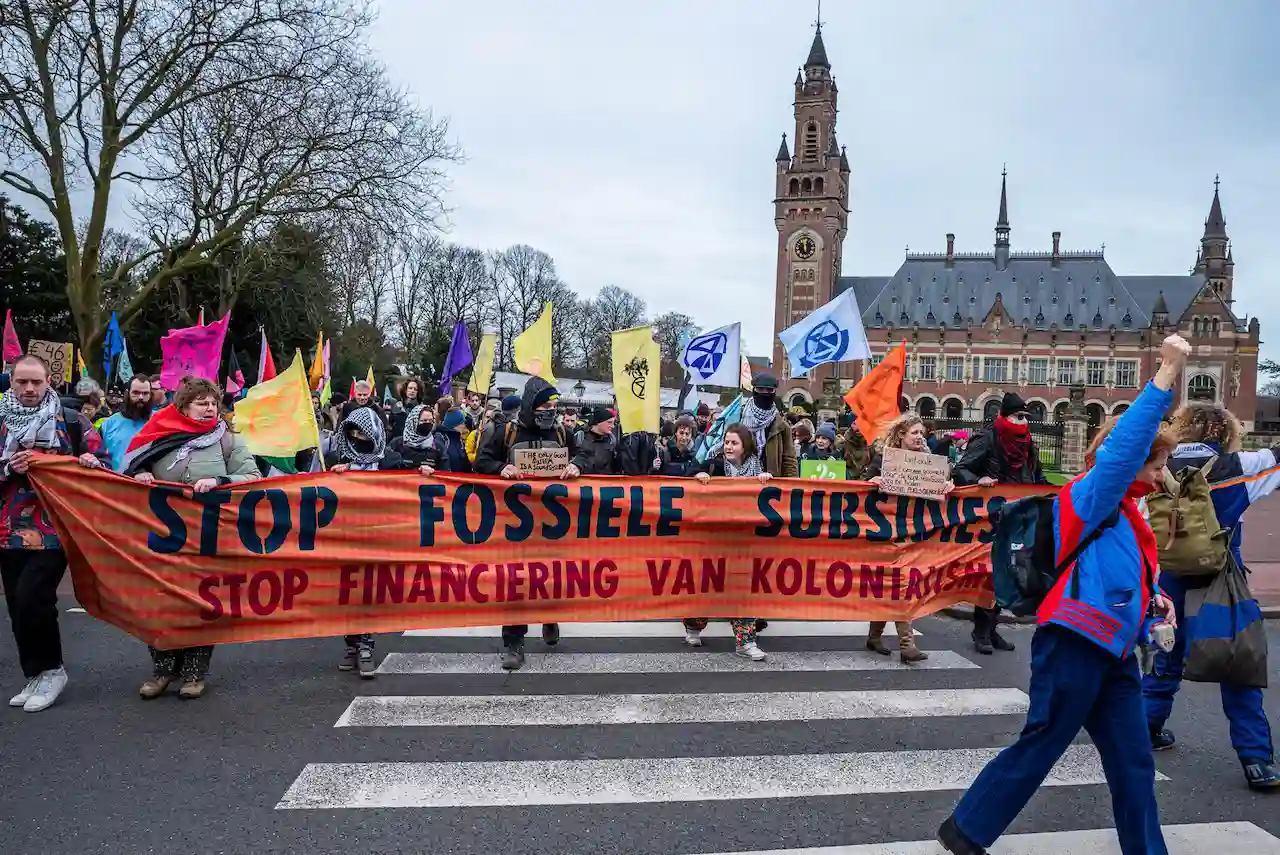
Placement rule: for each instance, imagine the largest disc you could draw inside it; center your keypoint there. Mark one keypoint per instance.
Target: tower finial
(1215, 175)
(818, 25)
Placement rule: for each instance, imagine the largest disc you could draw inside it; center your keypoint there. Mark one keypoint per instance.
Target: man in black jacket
(597, 453)
(533, 428)
(1002, 454)
(676, 457)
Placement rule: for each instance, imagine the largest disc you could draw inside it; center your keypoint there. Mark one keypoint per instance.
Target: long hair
(1165, 442)
(748, 438)
(1204, 422)
(897, 430)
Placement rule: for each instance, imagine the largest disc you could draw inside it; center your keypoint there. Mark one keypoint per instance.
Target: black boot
(512, 657)
(999, 642)
(1260, 775)
(955, 842)
(983, 626)
(551, 633)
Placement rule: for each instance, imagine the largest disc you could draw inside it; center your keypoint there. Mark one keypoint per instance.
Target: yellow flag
(482, 368)
(84, 372)
(637, 362)
(373, 384)
(316, 377)
(276, 418)
(533, 348)
(326, 394)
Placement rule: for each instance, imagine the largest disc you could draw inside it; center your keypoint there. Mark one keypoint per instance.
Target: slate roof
(1081, 289)
(817, 52)
(784, 154)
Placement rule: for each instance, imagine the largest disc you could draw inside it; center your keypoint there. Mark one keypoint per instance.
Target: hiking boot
(999, 642)
(348, 661)
(364, 661)
(512, 657)
(910, 653)
(22, 697)
(48, 686)
(955, 842)
(154, 688)
(693, 637)
(191, 690)
(1162, 740)
(551, 634)
(876, 645)
(751, 651)
(983, 645)
(1260, 775)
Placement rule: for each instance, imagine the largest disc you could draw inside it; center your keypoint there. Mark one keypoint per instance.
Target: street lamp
(579, 389)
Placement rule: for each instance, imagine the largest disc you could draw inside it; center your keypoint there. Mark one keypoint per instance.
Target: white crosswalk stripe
(525, 741)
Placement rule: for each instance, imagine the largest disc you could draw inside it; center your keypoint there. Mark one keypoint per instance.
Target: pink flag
(194, 350)
(12, 347)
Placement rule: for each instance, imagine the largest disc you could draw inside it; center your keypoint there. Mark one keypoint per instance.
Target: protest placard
(822, 470)
(58, 354)
(541, 462)
(914, 473)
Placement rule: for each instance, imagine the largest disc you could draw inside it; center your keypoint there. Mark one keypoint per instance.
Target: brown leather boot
(191, 690)
(154, 688)
(907, 644)
(875, 638)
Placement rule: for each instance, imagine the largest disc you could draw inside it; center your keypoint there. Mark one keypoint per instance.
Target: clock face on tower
(806, 246)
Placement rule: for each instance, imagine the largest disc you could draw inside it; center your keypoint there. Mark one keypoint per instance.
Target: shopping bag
(1226, 638)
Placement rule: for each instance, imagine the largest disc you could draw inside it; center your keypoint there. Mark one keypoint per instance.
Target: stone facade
(977, 324)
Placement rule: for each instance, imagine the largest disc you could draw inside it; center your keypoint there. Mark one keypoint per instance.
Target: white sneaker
(751, 651)
(21, 698)
(693, 637)
(48, 686)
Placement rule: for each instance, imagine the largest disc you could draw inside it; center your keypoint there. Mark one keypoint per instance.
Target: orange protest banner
(324, 554)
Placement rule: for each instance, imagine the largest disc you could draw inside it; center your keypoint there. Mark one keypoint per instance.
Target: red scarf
(168, 422)
(1014, 441)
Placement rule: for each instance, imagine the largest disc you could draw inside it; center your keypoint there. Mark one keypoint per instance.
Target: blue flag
(831, 333)
(459, 356)
(112, 345)
(714, 440)
(124, 369)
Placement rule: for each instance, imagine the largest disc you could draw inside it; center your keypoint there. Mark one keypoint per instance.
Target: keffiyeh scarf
(412, 439)
(757, 421)
(30, 427)
(371, 425)
(749, 468)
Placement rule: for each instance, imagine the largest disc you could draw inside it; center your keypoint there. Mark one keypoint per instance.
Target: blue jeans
(1074, 684)
(1250, 730)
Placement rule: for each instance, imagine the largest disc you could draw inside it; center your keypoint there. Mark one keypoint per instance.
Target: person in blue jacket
(1082, 672)
(1238, 479)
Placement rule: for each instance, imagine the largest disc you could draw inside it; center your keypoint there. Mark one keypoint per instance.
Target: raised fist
(1175, 349)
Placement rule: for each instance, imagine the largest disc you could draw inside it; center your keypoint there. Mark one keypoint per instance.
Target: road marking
(689, 662)
(75, 610)
(1218, 838)
(677, 779)
(667, 629)
(569, 710)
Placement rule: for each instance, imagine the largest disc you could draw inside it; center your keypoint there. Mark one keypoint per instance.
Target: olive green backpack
(1188, 536)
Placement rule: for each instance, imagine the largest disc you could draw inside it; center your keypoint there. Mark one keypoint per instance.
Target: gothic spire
(1215, 226)
(818, 51)
(1002, 221)
(784, 154)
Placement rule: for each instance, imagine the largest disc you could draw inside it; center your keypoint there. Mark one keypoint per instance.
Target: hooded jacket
(495, 451)
(1115, 573)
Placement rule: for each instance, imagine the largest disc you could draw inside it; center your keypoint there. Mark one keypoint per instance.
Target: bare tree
(224, 115)
(415, 305)
(669, 330)
(526, 279)
(362, 259)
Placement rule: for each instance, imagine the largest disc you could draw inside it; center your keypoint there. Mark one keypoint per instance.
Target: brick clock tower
(811, 211)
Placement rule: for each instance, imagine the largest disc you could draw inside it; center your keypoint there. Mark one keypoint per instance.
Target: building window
(1096, 372)
(1066, 372)
(1202, 388)
(817, 188)
(955, 368)
(995, 369)
(1038, 371)
(794, 186)
(928, 368)
(876, 360)
(1036, 411)
(811, 141)
(1127, 374)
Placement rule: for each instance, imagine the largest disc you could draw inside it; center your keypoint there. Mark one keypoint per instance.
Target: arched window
(811, 141)
(1118, 410)
(953, 408)
(817, 186)
(1096, 414)
(990, 410)
(795, 186)
(1060, 412)
(926, 408)
(806, 186)
(1202, 388)
(1215, 325)
(1036, 410)
(1195, 326)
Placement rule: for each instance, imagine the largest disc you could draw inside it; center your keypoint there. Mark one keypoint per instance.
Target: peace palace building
(977, 324)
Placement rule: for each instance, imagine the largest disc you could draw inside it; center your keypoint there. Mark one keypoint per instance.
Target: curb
(964, 612)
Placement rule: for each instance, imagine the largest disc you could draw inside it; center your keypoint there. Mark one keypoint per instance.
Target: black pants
(515, 633)
(30, 578)
(189, 663)
(985, 622)
(362, 641)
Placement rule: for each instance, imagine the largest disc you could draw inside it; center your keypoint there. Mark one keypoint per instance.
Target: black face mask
(424, 428)
(764, 400)
(364, 446)
(544, 419)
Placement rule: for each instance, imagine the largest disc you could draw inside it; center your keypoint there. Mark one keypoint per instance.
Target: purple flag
(459, 356)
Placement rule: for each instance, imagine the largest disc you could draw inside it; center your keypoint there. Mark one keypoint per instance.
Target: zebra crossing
(613, 736)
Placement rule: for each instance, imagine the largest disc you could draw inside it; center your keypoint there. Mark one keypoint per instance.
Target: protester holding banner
(32, 560)
(1209, 436)
(1004, 453)
(1082, 672)
(597, 453)
(907, 431)
(773, 439)
(533, 428)
(676, 457)
(419, 444)
(188, 443)
(120, 429)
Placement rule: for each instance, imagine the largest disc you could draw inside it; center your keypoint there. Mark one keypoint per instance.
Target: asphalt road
(104, 772)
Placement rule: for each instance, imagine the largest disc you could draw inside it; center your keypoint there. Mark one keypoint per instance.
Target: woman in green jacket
(187, 443)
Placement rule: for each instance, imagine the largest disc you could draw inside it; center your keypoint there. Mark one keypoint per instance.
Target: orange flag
(875, 401)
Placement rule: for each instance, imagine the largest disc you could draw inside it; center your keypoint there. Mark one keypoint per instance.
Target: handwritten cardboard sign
(822, 470)
(59, 355)
(914, 473)
(541, 462)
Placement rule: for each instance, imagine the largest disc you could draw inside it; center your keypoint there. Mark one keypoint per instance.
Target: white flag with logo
(831, 333)
(712, 358)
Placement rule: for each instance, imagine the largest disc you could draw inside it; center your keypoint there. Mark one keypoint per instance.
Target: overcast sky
(635, 142)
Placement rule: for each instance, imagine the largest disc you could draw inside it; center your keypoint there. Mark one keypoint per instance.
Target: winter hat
(543, 395)
(511, 403)
(453, 420)
(703, 409)
(1012, 403)
(764, 381)
(828, 430)
(596, 414)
